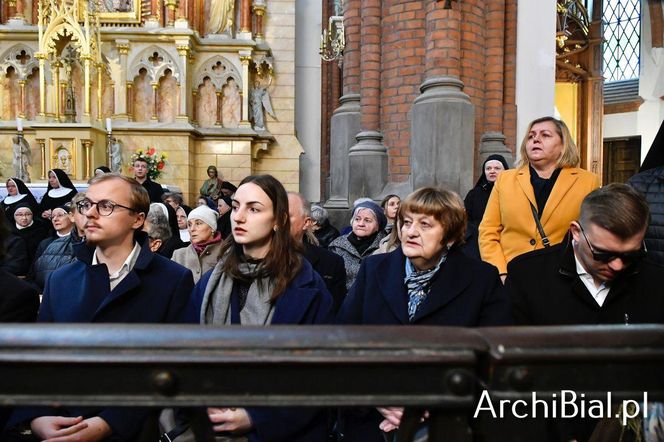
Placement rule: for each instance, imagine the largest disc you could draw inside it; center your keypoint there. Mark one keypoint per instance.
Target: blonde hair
(138, 196)
(570, 156)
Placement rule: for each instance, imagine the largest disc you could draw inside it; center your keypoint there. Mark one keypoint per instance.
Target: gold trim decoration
(62, 154)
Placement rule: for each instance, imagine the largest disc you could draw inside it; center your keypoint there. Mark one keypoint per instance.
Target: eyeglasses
(104, 207)
(606, 257)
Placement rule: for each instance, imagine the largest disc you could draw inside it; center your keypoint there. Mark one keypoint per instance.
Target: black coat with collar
(545, 289)
(154, 190)
(330, 267)
(465, 293)
(155, 291)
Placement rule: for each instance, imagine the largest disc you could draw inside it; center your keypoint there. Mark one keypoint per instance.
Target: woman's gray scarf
(258, 309)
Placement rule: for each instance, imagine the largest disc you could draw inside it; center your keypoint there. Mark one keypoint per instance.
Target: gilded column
(56, 82)
(183, 52)
(218, 122)
(155, 96)
(86, 88)
(129, 97)
(100, 66)
(259, 8)
(121, 112)
(42, 85)
(87, 146)
(170, 12)
(21, 112)
(63, 90)
(245, 59)
(42, 151)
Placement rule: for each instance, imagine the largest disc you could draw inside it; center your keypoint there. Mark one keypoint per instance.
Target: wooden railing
(439, 369)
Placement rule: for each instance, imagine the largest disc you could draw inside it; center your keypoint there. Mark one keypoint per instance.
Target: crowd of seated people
(547, 247)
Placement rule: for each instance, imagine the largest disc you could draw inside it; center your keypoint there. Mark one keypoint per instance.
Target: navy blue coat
(465, 292)
(305, 301)
(155, 291)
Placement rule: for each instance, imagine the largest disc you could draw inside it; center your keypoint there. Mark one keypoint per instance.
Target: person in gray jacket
(368, 224)
(203, 252)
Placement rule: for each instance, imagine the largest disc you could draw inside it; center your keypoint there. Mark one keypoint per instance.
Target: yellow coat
(508, 229)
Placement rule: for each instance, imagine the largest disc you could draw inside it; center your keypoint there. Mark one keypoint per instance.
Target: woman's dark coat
(465, 293)
(478, 197)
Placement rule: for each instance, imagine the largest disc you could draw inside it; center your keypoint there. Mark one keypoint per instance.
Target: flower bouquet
(156, 162)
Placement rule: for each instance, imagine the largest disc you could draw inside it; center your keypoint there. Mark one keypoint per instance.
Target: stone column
(42, 152)
(259, 8)
(345, 121)
(443, 118)
(194, 96)
(183, 52)
(100, 66)
(368, 158)
(170, 12)
(245, 58)
(121, 93)
(218, 122)
(493, 139)
(20, 11)
(11, 8)
(42, 85)
(182, 20)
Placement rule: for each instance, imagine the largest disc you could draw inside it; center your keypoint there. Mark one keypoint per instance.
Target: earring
(275, 228)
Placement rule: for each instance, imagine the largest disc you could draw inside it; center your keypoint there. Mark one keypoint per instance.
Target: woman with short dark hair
(426, 281)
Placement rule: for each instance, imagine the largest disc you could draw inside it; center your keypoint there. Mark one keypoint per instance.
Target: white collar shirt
(598, 293)
(126, 267)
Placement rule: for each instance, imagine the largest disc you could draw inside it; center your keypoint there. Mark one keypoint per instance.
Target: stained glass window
(622, 35)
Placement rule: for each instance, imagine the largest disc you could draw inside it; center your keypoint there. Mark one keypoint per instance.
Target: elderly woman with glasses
(425, 281)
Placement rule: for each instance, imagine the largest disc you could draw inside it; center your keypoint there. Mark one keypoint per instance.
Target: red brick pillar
(443, 40)
(351, 62)
(370, 65)
(492, 139)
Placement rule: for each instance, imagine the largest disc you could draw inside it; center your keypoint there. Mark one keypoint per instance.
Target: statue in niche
(220, 15)
(9, 95)
(168, 95)
(22, 158)
(115, 152)
(259, 102)
(116, 6)
(143, 97)
(206, 111)
(231, 104)
(32, 96)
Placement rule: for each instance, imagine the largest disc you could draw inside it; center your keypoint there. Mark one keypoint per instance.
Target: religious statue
(22, 158)
(220, 17)
(115, 153)
(259, 101)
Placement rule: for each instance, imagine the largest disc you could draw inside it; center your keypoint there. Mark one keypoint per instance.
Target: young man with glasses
(115, 279)
(598, 274)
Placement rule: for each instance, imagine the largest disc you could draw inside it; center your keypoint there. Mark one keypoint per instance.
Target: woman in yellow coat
(547, 181)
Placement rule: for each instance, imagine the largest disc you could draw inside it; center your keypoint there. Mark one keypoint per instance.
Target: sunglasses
(607, 257)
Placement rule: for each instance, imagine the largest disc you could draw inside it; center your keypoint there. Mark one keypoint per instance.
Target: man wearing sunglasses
(115, 279)
(598, 274)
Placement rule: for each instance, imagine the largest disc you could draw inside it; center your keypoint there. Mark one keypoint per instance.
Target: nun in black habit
(17, 192)
(59, 192)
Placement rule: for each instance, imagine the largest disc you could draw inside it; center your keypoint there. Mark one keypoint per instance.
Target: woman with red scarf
(203, 252)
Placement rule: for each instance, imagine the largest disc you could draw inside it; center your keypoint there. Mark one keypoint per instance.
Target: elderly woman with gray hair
(367, 224)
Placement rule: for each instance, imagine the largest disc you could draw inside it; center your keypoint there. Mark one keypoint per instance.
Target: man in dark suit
(141, 175)
(329, 266)
(597, 275)
(116, 278)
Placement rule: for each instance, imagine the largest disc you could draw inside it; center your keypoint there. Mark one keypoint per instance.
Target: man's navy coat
(156, 291)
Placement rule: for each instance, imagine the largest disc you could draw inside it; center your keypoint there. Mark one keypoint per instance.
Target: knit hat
(205, 214)
(376, 209)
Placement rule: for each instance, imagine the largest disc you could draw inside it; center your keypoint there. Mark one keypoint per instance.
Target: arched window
(622, 37)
